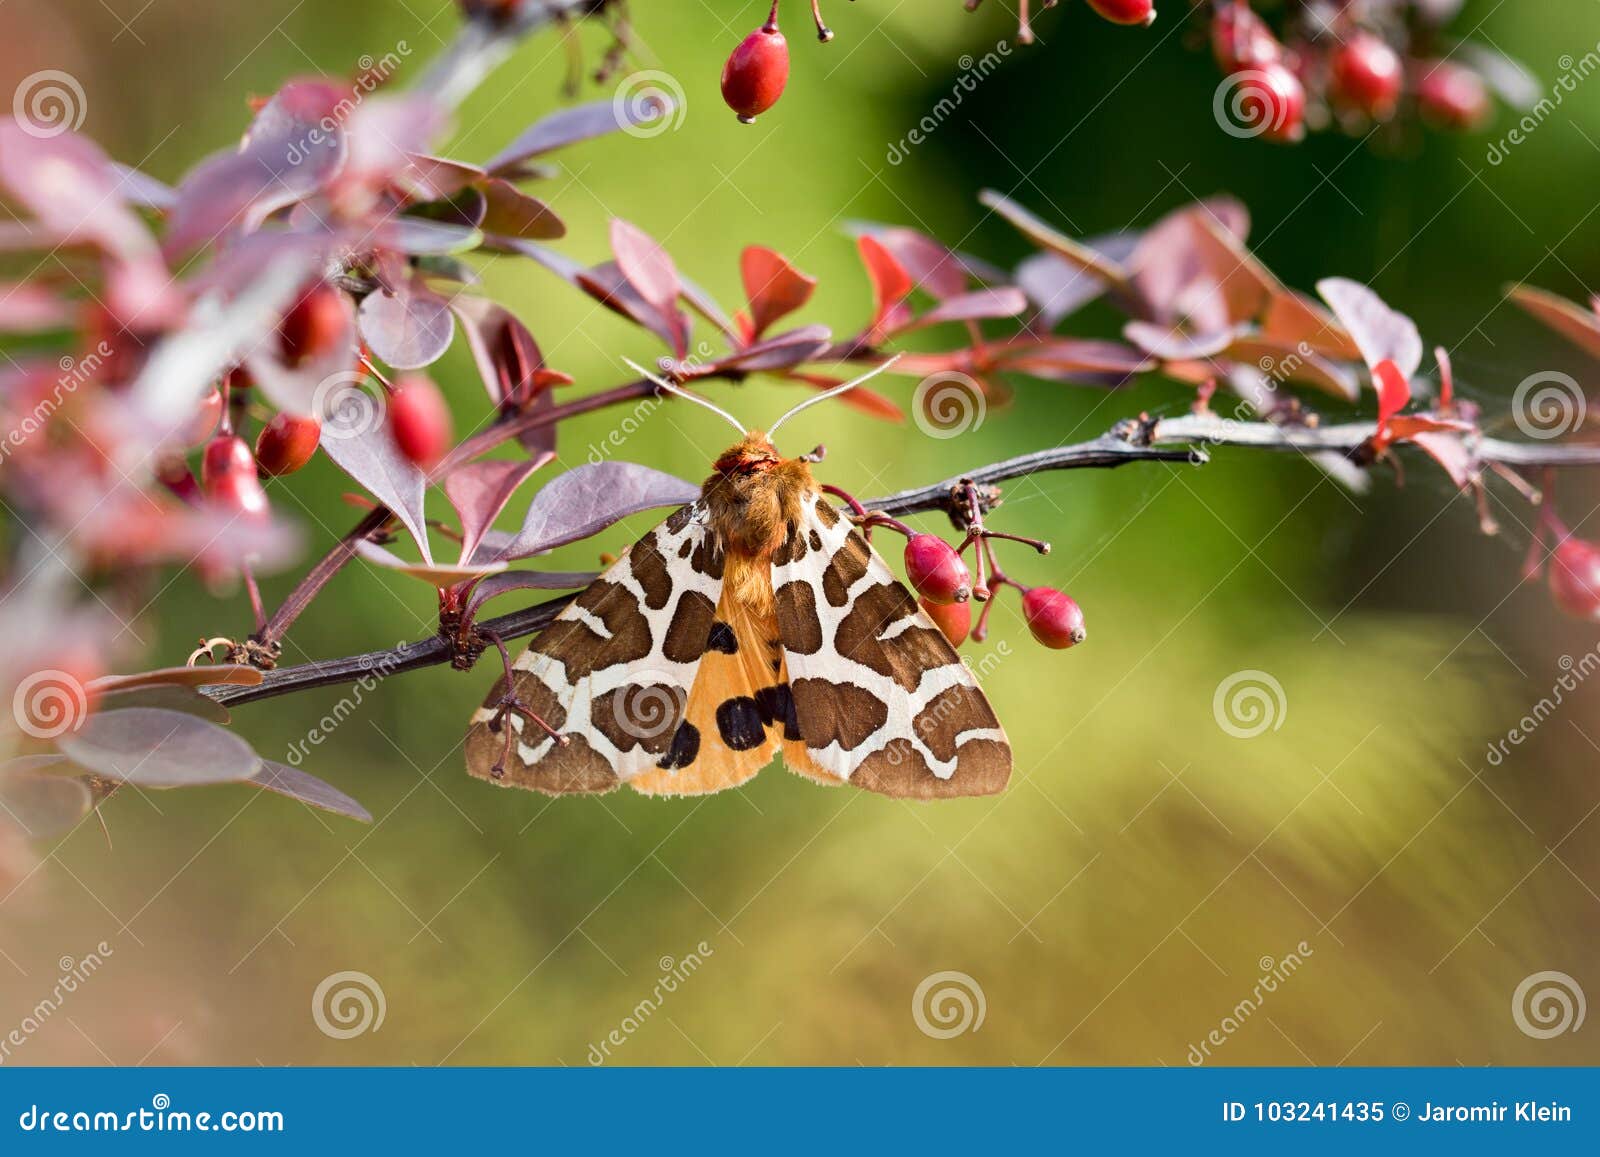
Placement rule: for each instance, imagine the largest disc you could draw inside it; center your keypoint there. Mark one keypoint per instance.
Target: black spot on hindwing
(722, 639)
(685, 747)
(740, 723)
(777, 707)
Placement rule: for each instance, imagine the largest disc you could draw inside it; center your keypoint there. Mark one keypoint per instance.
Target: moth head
(755, 452)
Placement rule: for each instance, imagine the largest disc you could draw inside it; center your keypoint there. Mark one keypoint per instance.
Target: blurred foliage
(1118, 901)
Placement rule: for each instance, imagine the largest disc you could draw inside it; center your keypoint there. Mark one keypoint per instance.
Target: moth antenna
(662, 383)
(833, 393)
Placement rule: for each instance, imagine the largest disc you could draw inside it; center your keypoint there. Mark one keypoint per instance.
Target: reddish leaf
(773, 287)
(308, 789)
(1285, 362)
(480, 490)
(1394, 391)
(430, 178)
(1447, 449)
(933, 268)
(71, 189)
(1170, 343)
(27, 308)
(515, 580)
(890, 281)
(1578, 325)
(792, 348)
(152, 747)
(587, 499)
(1078, 255)
(409, 328)
(1292, 319)
(606, 284)
(435, 574)
(998, 301)
(1379, 332)
(512, 213)
(207, 675)
(647, 267)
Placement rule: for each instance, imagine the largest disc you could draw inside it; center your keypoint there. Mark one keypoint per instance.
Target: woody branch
(1180, 439)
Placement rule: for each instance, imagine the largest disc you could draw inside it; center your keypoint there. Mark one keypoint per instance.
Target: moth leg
(509, 703)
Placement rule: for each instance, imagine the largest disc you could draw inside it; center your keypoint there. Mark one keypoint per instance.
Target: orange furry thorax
(754, 495)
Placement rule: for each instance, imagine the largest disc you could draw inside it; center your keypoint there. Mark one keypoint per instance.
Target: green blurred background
(1126, 893)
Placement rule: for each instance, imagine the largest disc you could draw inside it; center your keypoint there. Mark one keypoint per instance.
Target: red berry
(1367, 75)
(1271, 102)
(936, 570)
(287, 443)
(228, 473)
(1241, 39)
(204, 422)
(1055, 619)
(314, 324)
(1575, 579)
(1126, 11)
(954, 619)
(753, 78)
(420, 421)
(1452, 95)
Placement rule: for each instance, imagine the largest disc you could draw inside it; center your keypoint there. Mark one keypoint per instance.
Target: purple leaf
(579, 124)
(294, 147)
(480, 490)
(308, 789)
(1172, 344)
(153, 747)
(142, 189)
(71, 188)
(509, 362)
(1046, 237)
(648, 268)
(169, 696)
(425, 237)
(512, 580)
(1381, 333)
(27, 308)
(780, 351)
(409, 328)
(440, 574)
(1578, 325)
(936, 270)
(430, 178)
(1000, 301)
(208, 675)
(606, 284)
(40, 797)
(585, 500)
(512, 213)
(359, 442)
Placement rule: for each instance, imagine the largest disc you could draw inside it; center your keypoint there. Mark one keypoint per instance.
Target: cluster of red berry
(311, 330)
(940, 576)
(1354, 73)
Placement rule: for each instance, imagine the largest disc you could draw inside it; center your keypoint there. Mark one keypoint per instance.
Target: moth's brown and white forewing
(882, 699)
(613, 672)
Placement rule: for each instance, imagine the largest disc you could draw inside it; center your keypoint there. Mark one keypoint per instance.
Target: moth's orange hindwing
(739, 709)
(612, 674)
(882, 699)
